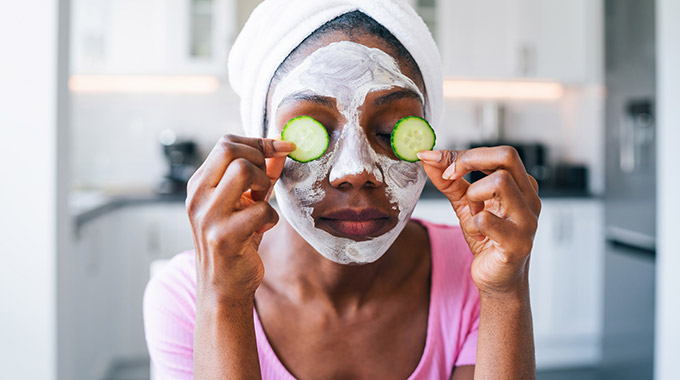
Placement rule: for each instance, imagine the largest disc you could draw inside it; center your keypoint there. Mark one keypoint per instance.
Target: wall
(32, 89)
(668, 203)
(115, 137)
(243, 10)
(572, 127)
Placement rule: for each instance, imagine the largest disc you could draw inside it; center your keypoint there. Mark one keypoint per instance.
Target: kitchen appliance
(182, 159)
(569, 178)
(629, 279)
(533, 156)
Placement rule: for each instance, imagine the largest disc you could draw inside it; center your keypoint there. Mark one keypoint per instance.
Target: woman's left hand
(498, 213)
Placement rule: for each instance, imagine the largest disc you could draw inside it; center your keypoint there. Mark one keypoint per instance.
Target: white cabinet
(112, 254)
(152, 37)
(478, 39)
(562, 40)
(510, 39)
(566, 280)
(150, 232)
(96, 312)
(168, 230)
(436, 211)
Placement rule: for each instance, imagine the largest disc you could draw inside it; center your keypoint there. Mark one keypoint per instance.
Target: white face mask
(348, 72)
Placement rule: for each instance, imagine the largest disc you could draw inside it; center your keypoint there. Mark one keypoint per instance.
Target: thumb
(274, 163)
(436, 163)
(274, 167)
(274, 170)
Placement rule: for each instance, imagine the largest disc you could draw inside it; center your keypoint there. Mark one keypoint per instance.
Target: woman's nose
(355, 162)
(365, 178)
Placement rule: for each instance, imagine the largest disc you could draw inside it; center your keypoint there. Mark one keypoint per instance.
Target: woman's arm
(465, 372)
(224, 341)
(505, 345)
(228, 210)
(499, 216)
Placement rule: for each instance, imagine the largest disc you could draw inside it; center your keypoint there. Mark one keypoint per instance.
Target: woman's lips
(356, 228)
(355, 222)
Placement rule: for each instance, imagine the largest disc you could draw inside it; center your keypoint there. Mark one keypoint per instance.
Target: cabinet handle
(558, 230)
(527, 58)
(568, 226)
(564, 229)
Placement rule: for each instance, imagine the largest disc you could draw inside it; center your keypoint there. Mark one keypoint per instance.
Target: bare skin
(326, 320)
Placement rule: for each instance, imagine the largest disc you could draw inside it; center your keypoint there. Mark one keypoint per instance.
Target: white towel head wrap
(277, 27)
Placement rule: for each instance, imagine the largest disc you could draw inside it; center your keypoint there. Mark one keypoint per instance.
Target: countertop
(88, 205)
(85, 206)
(544, 192)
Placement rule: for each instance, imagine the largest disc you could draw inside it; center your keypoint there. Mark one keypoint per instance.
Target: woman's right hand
(227, 204)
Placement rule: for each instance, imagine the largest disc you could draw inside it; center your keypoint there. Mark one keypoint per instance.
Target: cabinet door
(157, 231)
(149, 232)
(132, 245)
(96, 309)
(558, 40)
(541, 276)
(152, 37)
(435, 211)
(580, 275)
(112, 256)
(478, 39)
(566, 280)
(561, 40)
(175, 232)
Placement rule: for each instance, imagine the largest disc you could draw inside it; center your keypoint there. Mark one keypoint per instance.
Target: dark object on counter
(182, 159)
(533, 155)
(570, 177)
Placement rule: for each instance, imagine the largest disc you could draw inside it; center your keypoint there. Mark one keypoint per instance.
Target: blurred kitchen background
(108, 106)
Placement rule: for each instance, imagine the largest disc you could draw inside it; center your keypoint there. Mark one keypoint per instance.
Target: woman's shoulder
(173, 284)
(170, 314)
(179, 270)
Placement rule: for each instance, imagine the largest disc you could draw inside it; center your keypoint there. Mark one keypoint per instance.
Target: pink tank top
(453, 319)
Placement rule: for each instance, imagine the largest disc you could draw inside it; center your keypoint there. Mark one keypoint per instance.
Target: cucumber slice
(411, 135)
(310, 137)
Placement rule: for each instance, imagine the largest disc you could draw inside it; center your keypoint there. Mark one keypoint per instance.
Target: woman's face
(352, 203)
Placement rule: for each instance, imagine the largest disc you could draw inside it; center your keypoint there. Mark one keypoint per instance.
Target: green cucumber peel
(412, 134)
(309, 136)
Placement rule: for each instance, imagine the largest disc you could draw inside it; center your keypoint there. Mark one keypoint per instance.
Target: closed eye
(384, 136)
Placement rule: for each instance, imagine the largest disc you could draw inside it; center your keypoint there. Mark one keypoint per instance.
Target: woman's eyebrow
(393, 96)
(310, 97)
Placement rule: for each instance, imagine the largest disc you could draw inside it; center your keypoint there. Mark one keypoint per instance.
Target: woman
(354, 287)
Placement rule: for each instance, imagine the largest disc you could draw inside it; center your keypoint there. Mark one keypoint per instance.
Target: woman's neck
(300, 273)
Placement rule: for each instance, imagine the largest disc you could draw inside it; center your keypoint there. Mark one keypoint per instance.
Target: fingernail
(448, 173)
(284, 146)
(430, 155)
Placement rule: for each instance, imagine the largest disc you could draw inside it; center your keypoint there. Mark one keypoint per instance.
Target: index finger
(275, 152)
(461, 162)
(269, 147)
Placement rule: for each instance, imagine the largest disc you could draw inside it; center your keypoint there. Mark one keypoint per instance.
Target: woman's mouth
(368, 222)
